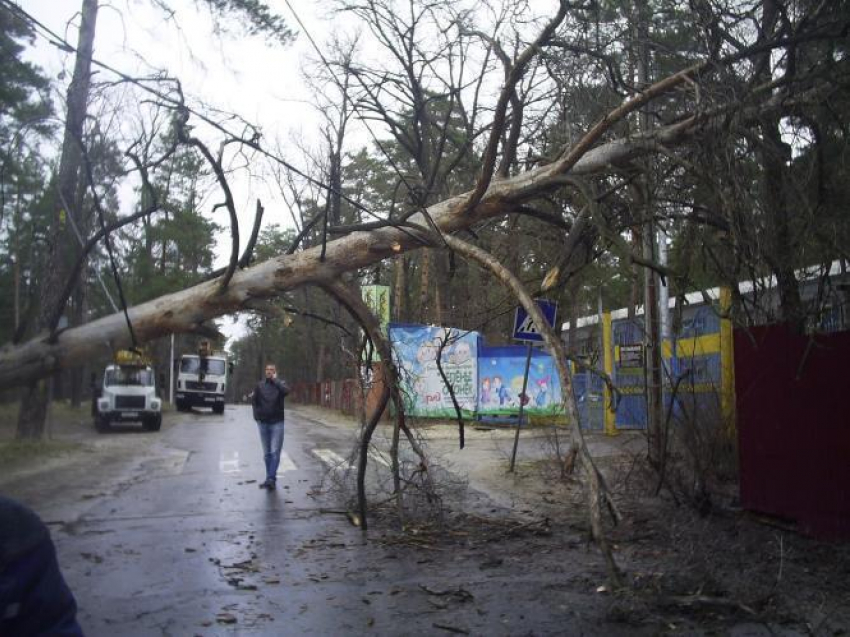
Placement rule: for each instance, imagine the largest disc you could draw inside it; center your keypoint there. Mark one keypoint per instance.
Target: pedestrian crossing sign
(524, 326)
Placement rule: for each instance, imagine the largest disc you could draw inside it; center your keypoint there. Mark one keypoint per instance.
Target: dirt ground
(718, 571)
(694, 569)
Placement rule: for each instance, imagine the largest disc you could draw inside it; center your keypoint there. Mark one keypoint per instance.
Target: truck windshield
(192, 365)
(129, 376)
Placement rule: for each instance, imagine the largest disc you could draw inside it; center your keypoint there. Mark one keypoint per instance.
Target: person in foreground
(34, 598)
(268, 412)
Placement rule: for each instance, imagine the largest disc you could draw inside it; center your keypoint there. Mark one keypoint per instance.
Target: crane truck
(128, 393)
(202, 379)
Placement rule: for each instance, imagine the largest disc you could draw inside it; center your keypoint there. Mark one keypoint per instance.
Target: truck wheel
(101, 423)
(181, 406)
(218, 408)
(153, 423)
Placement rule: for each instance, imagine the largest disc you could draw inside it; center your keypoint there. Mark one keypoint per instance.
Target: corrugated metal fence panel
(794, 426)
(325, 399)
(696, 408)
(350, 396)
(627, 331)
(631, 412)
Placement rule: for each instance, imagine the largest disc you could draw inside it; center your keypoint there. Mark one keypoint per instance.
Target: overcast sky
(259, 80)
(246, 75)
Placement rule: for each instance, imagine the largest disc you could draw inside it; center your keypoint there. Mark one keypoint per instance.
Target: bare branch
(508, 90)
(245, 260)
(184, 137)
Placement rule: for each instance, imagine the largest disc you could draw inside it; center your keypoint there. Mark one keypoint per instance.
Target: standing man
(268, 412)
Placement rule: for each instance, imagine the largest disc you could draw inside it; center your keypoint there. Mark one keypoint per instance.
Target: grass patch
(17, 453)
(58, 410)
(61, 417)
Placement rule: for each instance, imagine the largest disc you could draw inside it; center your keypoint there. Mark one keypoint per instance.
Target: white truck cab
(202, 380)
(128, 394)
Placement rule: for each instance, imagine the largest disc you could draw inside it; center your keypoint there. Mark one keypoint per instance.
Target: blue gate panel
(631, 412)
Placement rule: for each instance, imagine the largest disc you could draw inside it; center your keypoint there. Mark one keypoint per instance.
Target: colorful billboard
(500, 375)
(415, 348)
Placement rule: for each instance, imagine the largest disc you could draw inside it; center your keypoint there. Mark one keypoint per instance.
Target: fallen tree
(188, 310)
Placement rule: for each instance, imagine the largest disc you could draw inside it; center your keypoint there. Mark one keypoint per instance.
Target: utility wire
(82, 241)
(58, 41)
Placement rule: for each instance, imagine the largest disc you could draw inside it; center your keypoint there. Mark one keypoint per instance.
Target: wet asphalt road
(190, 544)
(170, 535)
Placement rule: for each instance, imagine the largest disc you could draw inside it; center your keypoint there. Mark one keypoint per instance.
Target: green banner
(377, 298)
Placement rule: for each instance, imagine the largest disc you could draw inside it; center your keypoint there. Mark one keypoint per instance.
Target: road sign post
(526, 330)
(524, 326)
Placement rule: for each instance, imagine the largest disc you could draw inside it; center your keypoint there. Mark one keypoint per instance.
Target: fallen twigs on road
(706, 602)
(465, 526)
(495, 528)
(451, 629)
(458, 594)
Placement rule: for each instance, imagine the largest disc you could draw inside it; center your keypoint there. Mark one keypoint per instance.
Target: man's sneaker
(272, 485)
(264, 485)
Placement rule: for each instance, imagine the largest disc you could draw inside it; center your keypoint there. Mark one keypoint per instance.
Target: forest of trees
(582, 140)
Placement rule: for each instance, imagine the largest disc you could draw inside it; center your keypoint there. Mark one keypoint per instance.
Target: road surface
(168, 534)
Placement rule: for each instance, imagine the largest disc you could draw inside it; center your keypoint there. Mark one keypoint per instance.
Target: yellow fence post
(608, 362)
(727, 363)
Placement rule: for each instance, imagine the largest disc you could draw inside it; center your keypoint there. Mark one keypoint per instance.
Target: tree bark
(33, 409)
(400, 292)
(774, 156)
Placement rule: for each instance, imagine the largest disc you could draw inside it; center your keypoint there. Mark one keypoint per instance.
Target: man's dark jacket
(268, 400)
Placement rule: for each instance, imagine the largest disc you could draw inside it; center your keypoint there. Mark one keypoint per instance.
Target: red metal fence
(342, 395)
(794, 427)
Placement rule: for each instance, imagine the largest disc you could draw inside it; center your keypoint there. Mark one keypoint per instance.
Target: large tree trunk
(425, 285)
(774, 156)
(185, 311)
(780, 245)
(320, 363)
(33, 410)
(78, 317)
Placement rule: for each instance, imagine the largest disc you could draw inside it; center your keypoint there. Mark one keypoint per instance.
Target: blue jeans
(271, 435)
